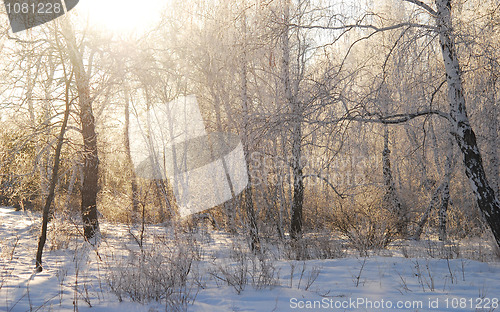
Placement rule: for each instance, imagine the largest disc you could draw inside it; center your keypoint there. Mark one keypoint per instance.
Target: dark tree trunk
(296, 127)
(53, 182)
(298, 185)
(90, 167)
(90, 158)
(464, 135)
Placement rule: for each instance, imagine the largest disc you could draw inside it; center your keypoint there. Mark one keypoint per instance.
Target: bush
(157, 272)
(366, 227)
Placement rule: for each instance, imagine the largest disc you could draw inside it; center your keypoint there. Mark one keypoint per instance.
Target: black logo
(25, 14)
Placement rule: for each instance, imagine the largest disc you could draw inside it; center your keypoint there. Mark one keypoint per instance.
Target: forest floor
(213, 271)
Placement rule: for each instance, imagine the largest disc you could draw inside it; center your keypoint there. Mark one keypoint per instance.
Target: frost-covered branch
(396, 118)
(363, 26)
(424, 6)
(341, 195)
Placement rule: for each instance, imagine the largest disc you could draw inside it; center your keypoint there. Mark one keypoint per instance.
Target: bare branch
(362, 26)
(424, 6)
(327, 182)
(397, 118)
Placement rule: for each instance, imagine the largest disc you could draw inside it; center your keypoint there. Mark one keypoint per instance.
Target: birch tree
(462, 130)
(458, 117)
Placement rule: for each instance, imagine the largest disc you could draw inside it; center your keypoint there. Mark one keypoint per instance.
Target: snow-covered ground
(222, 276)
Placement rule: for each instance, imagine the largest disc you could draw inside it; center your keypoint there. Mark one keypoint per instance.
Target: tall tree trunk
(249, 206)
(90, 157)
(296, 127)
(53, 182)
(464, 135)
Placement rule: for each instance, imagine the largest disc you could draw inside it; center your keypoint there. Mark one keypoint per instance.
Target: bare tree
(55, 172)
(90, 185)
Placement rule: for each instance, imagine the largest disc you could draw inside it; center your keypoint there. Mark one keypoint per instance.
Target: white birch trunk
(465, 137)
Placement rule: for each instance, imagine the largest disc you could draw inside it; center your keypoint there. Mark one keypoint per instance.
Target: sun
(122, 16)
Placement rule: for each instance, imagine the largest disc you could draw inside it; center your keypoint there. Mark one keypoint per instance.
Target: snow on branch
(396, 118)
(424, 6)
(363, 26)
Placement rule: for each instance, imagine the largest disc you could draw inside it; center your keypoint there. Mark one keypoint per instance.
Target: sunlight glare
(122, 16)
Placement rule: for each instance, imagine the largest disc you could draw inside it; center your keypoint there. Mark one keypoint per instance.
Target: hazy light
(122, 16)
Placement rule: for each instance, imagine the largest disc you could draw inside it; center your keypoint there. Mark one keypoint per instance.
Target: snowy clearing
(221, 276)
